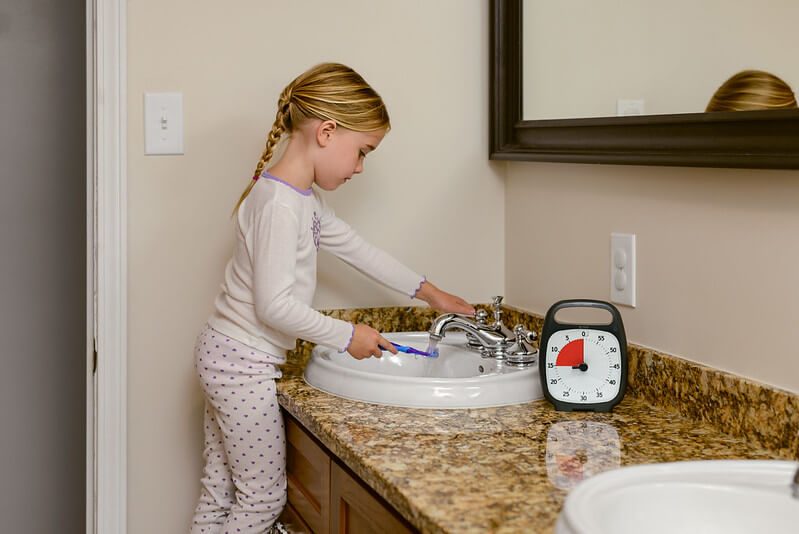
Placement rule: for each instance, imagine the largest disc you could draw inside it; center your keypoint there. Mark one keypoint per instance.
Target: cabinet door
(308, 473)
(292, 521)
(355, 510)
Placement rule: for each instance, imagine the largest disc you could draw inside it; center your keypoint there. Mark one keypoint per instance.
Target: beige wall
(428, 186)
(716, 248)
(430, 179)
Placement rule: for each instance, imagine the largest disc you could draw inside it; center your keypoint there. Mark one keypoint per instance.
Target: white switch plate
(626, 107)
(163, 123)
(622, 269)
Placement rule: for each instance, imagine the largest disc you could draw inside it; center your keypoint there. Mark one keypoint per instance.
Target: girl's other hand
(443, 301)
(367, 341)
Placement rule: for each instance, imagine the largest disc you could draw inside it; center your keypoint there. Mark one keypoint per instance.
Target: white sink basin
(708, 497)
(458, 378)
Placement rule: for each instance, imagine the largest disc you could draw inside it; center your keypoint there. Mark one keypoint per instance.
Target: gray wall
(42, 266)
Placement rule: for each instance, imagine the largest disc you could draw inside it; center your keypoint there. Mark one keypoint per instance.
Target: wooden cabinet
(308, 474)
(324, 497)
(355, 510)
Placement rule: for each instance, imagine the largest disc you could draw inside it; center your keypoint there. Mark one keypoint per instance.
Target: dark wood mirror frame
(745, 139)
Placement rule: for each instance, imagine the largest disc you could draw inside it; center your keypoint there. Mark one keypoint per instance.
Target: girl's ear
(325, 131)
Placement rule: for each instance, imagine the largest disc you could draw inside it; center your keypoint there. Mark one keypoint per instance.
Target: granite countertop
(505, 469)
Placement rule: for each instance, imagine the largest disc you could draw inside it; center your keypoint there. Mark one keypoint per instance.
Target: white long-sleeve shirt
(265, 301)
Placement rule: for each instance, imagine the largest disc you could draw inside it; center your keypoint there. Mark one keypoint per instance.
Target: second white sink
(458, 378)
(708, 497)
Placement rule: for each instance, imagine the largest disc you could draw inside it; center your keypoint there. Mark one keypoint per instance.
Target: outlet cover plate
(622, 269)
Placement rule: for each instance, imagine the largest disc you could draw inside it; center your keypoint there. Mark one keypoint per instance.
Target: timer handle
(584, 303)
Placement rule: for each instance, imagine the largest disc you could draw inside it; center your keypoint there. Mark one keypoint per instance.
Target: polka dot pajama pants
(244, 481)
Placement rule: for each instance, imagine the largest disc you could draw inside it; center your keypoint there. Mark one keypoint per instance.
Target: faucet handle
(497, 308)
(524, 335)
(481, 317)
(523, 352)
(795, 485)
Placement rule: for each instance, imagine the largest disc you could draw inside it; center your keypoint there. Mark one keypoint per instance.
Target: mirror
(753, 139)
(648, 57)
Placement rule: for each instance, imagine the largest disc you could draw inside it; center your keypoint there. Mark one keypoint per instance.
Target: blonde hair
(751, 90)
(329, 91)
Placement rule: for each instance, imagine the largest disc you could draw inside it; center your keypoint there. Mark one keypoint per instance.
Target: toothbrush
(411, 350)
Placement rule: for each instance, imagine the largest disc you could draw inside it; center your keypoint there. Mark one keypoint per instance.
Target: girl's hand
(442, 301)
(367, 341)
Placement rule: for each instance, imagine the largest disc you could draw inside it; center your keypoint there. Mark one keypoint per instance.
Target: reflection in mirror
(577, 450)
(751, 90)
(595, 58)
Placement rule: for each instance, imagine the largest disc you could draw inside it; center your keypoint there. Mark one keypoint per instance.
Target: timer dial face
(583, 365)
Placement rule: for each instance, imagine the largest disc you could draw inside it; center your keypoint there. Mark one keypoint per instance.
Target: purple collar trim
(306, 192)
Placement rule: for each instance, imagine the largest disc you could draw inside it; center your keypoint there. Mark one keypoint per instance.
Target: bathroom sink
(458, 378)
(709, 497)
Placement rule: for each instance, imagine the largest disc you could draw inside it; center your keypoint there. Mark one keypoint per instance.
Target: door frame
(106, 256)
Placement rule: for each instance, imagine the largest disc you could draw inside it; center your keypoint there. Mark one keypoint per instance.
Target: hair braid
(278, 128)
(328, 91)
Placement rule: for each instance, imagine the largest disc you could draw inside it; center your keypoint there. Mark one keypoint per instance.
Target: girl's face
(342, 154)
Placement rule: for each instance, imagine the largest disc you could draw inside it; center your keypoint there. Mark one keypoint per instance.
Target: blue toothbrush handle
(401, 348)
(410, 350)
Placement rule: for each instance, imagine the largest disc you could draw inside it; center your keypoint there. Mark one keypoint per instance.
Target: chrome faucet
(481, 337)
(491, 340)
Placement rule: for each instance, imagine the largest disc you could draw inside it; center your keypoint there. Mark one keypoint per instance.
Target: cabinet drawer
(308, 473)
(357, 511)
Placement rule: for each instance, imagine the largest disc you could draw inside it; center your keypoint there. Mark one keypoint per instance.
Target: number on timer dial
(583, 365)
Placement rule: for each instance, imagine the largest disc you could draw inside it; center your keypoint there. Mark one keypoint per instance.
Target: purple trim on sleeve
(350, 341)
(424, 279)
(306, 192)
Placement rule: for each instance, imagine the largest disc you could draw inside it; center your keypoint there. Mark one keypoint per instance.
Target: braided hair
(329, 91)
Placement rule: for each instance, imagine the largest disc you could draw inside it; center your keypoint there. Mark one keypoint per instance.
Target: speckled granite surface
(738, 406)
(509, 469)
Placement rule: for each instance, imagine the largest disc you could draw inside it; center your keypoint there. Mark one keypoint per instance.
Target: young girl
(334, 119)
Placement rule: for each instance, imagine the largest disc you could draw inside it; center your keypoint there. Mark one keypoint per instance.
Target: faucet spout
(451, 321)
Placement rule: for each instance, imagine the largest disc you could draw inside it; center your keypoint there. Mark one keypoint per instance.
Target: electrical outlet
(627, 107)
(622, 269)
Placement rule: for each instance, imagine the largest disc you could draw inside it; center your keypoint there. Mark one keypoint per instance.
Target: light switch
(163, 123)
